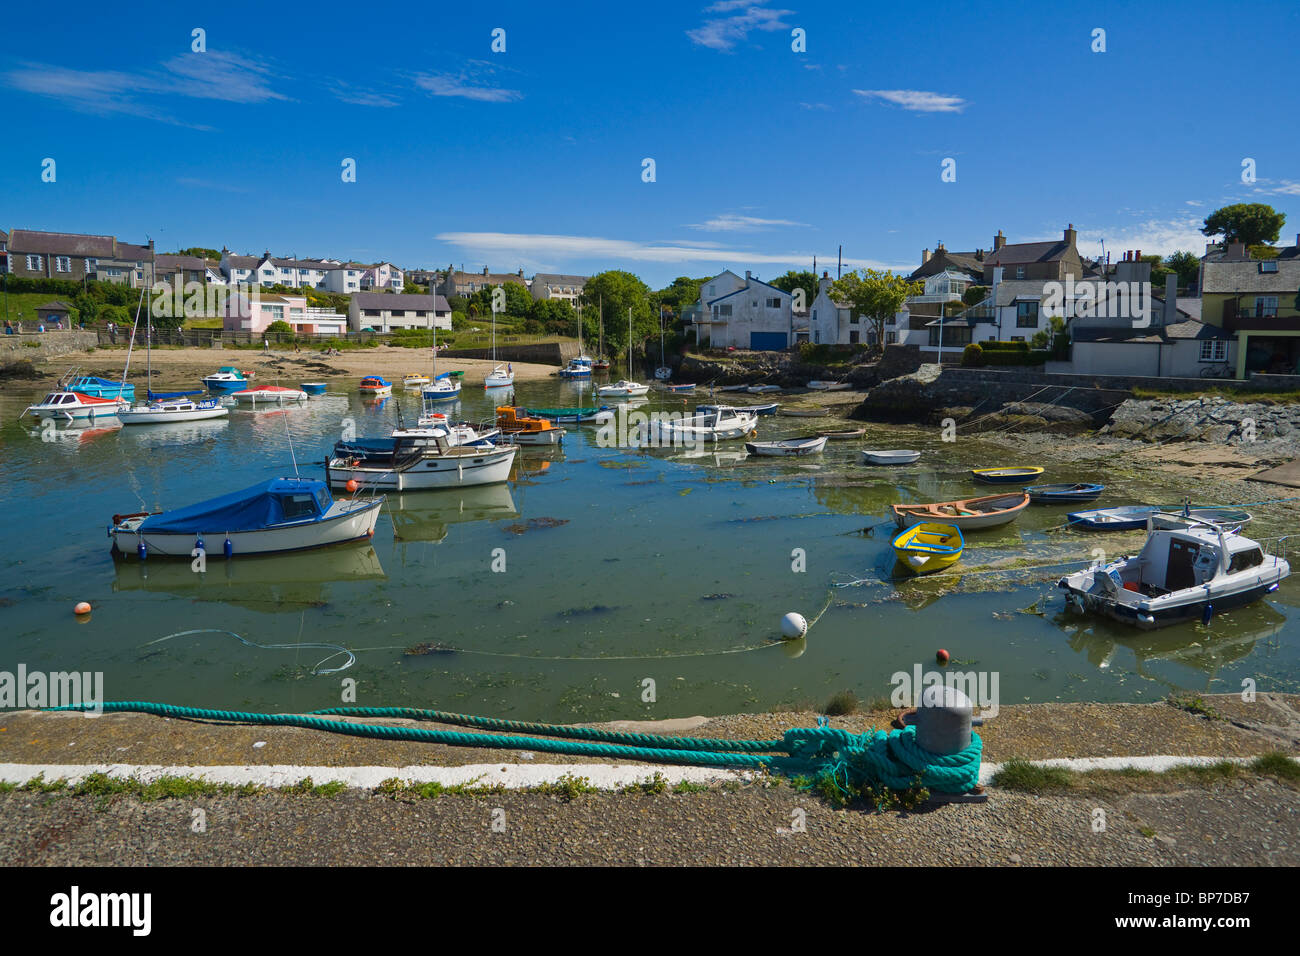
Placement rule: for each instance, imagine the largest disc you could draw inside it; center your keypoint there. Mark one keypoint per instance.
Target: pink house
(253, 313)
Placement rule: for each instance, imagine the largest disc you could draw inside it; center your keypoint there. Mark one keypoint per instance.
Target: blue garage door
(767, 341)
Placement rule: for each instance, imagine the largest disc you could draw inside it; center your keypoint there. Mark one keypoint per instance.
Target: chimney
(925, 256)
(999, 241)
(1071, 235)
(1236, 250)
(1171, 299)
(748, 276)
(521, 272)
(824, 284)
(979, 255)
(1137, 256)
(485, 270)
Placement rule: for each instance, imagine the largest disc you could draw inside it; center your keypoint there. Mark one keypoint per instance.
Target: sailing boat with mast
(162, 407)
(579, 367)
(501, 377)
(626, 388)
(663, 372)
(444, 387)
(602, 362)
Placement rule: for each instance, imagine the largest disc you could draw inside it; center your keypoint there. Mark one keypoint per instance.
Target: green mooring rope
(848, 760)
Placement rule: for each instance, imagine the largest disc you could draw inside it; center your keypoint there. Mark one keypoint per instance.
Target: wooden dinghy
(1005, 476)
(789, 447)
(928, 547)
(795, 411)
(1064, 494)
(968, 514)
(893, 456)
(846, 435)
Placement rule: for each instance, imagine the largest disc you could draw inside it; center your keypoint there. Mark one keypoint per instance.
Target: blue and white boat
(227, 379)
(1122, 518)
(282, 514)
(172, 407)
(1064, 493)
(100, 387)
(579, 367)
(443, 388)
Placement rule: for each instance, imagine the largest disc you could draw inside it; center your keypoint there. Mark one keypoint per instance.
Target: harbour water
(627, 584)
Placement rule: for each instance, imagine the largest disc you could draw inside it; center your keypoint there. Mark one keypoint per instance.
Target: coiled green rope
(892, 759)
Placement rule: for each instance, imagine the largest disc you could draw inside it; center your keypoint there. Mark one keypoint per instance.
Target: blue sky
(532, 158)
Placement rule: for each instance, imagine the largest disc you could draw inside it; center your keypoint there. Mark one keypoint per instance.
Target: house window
(372, 312)
(1268, 265)
(1017, 338)
(722, 311)
(62, 264)
(1265, 306)
(1020, 272)
(1026, 315)
(774, 303)
(1214, 350)
(34, 263)
(853, 337)
(90, 265)
(891, 338)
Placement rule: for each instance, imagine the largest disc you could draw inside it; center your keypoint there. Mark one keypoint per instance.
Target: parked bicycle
(1217, 370)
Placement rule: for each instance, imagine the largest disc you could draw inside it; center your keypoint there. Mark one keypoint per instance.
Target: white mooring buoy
(794, 626)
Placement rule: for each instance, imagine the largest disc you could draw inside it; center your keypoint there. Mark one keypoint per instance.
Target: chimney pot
(925, 256)
(747, 274)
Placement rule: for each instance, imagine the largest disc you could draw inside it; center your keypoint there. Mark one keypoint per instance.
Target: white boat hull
(353, 522)
(552, 436)
(147, 416)
(900, 457)
(489, 467)
(263, 397)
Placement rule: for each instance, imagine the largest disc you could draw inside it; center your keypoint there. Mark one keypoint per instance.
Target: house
(4, 252)
(54, 312)
(1257, 302)
(910, 325)
(253, 312)
(1053, 259)
(970, 264)
(549, 286)
(423, 277)
(186, 269)
(67, 255)
(458, 283)
(238, 270)
(383, 275)
(345, 277)
(389, 311)
(129, 265)
(832, 322)
(744, 313)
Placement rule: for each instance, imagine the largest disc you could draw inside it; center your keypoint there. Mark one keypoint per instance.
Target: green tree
(798, 280)
(1252, 223)
(1187, 265)
(974, 295)
(618, 291)
(554, 316)
(875, 295)
(681, 293)
(201, 251)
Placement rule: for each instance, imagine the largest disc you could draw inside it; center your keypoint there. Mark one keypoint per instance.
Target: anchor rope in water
(846, 759)
(316, 669)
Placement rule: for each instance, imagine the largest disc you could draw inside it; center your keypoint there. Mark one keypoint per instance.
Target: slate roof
(176, 263)
(1023, 252)
(401, 302)
(547, 278)
(1243, 275)
(62, 243)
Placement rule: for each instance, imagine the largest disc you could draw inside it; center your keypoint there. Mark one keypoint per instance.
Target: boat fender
(1207, 614)
(228, 548)
(140, 550)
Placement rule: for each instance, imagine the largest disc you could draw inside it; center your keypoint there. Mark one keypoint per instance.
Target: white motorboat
(269, 395)
(893, 456)
(75, 406)
(415, 381)
(1187, 571)
(411, 467)
(829, 386)
(434, 425)
(622, 389)
(282, 514)
(503, 376)
(788, 447)
(720, 423)
(161, 411)
(762, 389)
(228, 379)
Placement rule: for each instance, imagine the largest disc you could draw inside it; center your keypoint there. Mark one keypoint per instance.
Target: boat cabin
(1176, 559)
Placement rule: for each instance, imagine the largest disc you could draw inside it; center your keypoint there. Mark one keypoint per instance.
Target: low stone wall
(38, 346)
(1121, 382)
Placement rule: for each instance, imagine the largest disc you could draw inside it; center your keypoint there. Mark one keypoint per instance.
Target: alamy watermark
(1100, 300)
(36, 689)
(981, 687)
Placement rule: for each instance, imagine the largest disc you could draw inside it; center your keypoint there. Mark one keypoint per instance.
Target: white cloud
(1161, 237)
(555, 251)
(1277, 187)
(814, 106)
(1193, 202)
(471, 83)
(359, 97)
(919, 101)
(730, 222)
(723, 33)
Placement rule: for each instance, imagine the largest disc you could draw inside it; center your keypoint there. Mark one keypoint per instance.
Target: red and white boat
(74, 406)
(269, 395)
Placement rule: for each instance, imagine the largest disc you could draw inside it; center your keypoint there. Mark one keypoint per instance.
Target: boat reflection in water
(286, 582)
(1230, 638)
(180, 433)
(80, 432)
(422, 517)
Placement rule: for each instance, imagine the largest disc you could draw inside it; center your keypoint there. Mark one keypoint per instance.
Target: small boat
(373, 386)
(893, 456)
(524, 429)
(228, 379)
(683, 388)
(720, 423)
(829, 386)
(762, 389)
(434, 425)
(443, 388)
(732, 388)
(72, 406)
(270, 395)
(788, 447)
(411, 467)
(97, 387)
(928, 547)
(969, 514)
(601, 364)
(415, 381)
(574, 416)
(1064, 494)
(1122, 518)
(770, 408)
(313, 388)
(795, 411)
(1188, 571)
(622, 389)
(164, 410)
(579, 367)
(1005, 476)
(1223, 517)
(846, 435)
(502, 376)
(282, 514)
(456, 373)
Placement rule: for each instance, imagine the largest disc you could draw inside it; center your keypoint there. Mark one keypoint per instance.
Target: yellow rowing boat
(929, 546)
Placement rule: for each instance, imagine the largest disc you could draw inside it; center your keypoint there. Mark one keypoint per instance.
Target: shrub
(972, 355)
(1005, 346)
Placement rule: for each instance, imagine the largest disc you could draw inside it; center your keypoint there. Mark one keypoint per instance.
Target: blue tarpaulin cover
(261, 506)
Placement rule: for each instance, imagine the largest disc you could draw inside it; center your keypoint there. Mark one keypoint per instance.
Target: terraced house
(77, 256)
(1257, 301)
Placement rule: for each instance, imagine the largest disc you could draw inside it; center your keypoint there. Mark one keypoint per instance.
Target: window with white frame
(62, 263)
(1020, 272)
(34, 263)
(91, 264)
(1265, 306)
(1214, 350)
(774, 303)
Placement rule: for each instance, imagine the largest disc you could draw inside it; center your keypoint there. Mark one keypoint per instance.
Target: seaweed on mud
(593, 609)
(429, 647)
(534, 524)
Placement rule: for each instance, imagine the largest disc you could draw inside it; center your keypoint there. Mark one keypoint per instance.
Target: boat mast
(629, 343)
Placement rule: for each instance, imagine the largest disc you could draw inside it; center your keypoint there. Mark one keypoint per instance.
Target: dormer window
(1268, 265)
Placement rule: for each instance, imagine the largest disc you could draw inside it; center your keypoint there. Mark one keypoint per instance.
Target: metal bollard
(943, 720)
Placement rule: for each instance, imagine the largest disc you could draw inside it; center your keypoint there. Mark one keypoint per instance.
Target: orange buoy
(941, 656)
(82, 607)
(352, 484)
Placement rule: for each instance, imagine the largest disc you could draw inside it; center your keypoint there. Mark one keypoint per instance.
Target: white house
(831, 322)
(549, 286)
(383, 275)
(744, 313)
(391, 311)
(344, 277)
